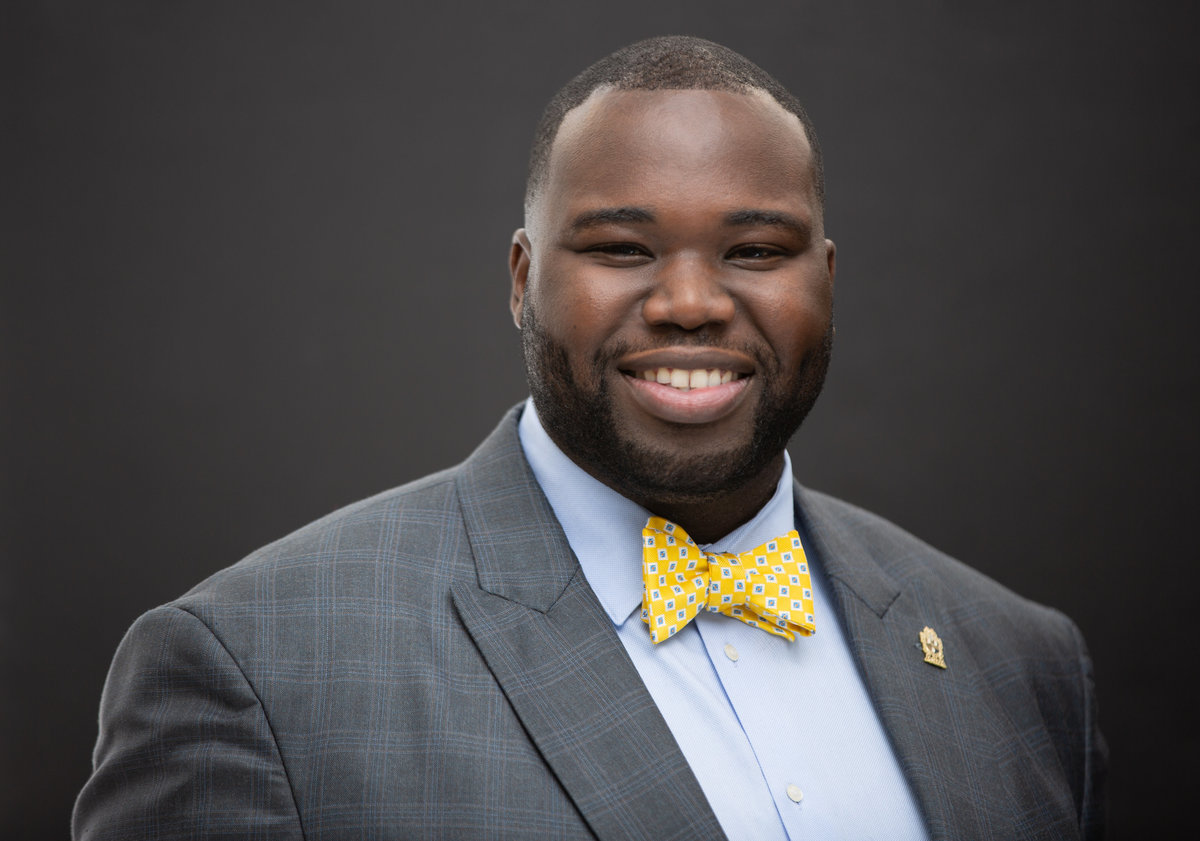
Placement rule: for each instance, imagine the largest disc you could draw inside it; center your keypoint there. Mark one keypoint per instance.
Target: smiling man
(675, 293)
(621, 617)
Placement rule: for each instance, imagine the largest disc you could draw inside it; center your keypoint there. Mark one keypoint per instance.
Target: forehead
(646, 147)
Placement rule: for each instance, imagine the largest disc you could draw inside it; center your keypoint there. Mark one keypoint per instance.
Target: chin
(665, 472)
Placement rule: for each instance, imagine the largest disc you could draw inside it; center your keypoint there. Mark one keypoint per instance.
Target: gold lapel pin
(931, 644)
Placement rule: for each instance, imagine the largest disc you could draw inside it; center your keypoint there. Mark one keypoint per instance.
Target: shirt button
(794, 793)
(731, 652)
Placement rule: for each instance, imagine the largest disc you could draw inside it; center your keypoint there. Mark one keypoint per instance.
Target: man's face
(674, 289)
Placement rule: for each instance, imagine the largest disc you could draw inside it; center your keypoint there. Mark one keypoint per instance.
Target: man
(602, 623)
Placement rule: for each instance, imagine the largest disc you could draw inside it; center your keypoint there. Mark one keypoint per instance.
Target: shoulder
(392, 549)
(381, 566)
(943, 586)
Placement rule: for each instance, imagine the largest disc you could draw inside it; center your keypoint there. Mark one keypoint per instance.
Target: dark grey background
(254, 269)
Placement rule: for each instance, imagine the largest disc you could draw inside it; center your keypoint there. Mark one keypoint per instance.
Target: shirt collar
(605, 529)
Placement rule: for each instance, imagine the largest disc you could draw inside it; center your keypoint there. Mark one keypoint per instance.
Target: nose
(688, 293)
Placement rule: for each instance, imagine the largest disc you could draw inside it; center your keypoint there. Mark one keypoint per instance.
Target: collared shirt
(781, 735)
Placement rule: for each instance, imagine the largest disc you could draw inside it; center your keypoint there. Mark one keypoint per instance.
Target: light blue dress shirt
(781, 735)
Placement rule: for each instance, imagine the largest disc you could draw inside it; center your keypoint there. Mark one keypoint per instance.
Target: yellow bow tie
(767, 587)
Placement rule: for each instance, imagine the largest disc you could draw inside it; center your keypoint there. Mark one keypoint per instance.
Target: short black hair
(669, 62)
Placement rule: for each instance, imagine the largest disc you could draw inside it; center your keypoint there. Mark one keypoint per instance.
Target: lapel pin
(931, 644)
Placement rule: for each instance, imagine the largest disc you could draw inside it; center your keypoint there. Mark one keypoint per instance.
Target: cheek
(795, 321)
(581, 309)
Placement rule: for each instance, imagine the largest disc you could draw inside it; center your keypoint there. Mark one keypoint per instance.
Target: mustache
(701, 338)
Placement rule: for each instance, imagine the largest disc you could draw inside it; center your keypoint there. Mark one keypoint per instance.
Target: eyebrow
(767, 218)
(733, 219)
(610, 216)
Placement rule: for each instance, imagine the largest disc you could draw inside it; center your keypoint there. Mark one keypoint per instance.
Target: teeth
(686, 380)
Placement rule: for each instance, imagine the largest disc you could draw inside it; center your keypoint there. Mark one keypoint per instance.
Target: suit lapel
(914, 700)
(948, 730)
(556, 656)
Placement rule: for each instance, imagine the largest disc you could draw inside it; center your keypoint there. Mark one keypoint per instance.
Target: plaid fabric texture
(430, 663)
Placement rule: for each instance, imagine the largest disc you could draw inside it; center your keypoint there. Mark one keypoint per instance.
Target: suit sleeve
(185, 749)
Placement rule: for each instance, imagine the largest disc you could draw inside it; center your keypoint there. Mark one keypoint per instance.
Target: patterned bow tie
(767, 587)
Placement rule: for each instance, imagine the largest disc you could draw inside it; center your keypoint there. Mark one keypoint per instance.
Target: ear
(831, 263)
(518, 266)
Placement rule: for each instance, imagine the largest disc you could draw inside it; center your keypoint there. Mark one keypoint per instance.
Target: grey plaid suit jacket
(431, 663)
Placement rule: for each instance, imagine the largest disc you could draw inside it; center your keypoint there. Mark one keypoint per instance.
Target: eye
(618, 248)
(756, 253)
(620, 252)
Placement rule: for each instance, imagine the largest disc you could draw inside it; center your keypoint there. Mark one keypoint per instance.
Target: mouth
(688, 385)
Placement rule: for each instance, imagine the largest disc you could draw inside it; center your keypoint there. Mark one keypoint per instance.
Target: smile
(685, 379)
(689, 395)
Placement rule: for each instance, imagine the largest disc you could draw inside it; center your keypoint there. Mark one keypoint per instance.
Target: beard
(581, 418)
